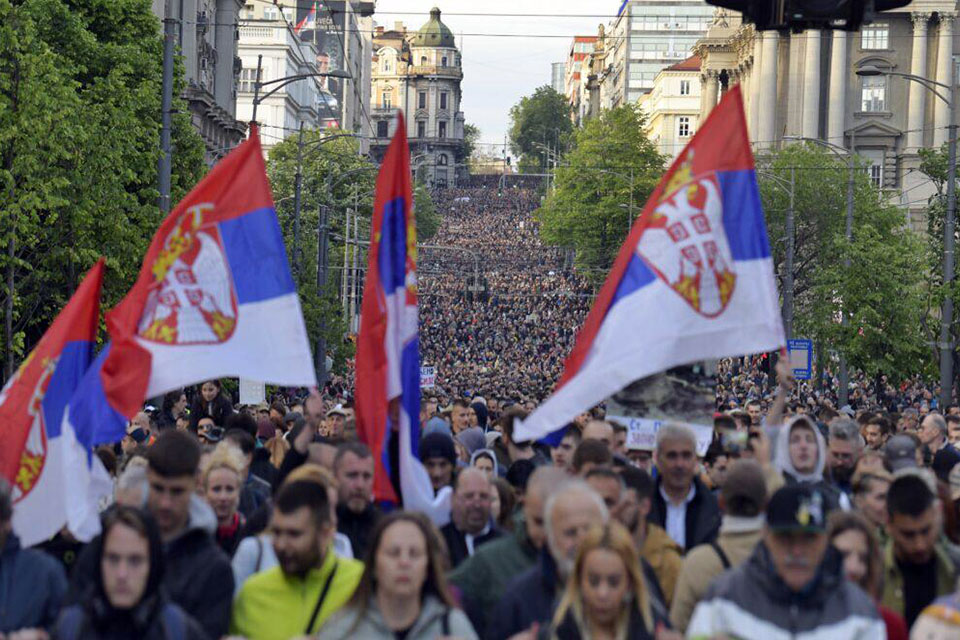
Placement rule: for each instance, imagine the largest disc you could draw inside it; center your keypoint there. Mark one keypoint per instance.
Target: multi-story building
(556, 76)
(574, 78)
(648, 36)
(342, 34)
(421, 73)
(673, 106)
(267, 37)
(807, 85)
(207, 44)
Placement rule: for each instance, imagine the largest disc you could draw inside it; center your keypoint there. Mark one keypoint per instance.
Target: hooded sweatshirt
(781, 460)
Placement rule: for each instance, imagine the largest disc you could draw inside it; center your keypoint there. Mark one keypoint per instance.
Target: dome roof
(434, 33)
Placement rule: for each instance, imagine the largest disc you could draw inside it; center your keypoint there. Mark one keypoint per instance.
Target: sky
(497, 70)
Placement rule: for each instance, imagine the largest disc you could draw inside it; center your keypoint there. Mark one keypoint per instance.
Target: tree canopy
(537, 121)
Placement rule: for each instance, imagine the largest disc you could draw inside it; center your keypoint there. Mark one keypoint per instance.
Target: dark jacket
(153, 619)
(32, 587)
(752, 601)
(254, 494)
(530, 597)
(198, 575)
(219, 409)
(831, 494)
(357, 526)
(262, 468)
(457, 542)
(703, 514)
(569, 629)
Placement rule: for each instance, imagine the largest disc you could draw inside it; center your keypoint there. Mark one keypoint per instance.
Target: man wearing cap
(917, 566)
(793, 582)
(439, 455)
(743, 499)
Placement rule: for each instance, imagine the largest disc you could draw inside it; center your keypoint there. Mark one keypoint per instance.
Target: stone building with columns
(807, 85)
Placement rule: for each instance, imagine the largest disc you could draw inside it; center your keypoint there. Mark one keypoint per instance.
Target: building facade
(267, 36)
(207, 44)
(421, 73)
(575, 71)
(556, 76)
(648, 36)
(806, 85)
(673, 106)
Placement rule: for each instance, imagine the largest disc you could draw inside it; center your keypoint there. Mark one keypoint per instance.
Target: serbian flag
(388, 359)
(309, 21)
(49, 469)
(693, 281)
(214, 298)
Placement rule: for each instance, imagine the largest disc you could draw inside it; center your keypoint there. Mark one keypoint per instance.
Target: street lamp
(843, 395)
(282, 82)
(789, 187)
(949, 223)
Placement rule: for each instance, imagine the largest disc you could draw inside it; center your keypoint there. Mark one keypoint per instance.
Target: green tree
(539, 120)
(882, 291)
(589, 209)
(79, 143)
(471, 136)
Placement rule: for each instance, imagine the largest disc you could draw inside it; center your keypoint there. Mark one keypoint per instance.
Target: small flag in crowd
(388, 358)
(693, 281)
(214, 298)
(55, 479)
(309, 21)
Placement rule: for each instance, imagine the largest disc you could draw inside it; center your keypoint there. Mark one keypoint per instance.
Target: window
(442, 130)
(423, 61)
(386, 100)
(683, 126)
(247, 79)
(875, 36)
(875, 165)
(443, 99)
(876, 175)
(288, 14)
(684, 87)
(874, 93)
(443, 61)
(442, 160)
(382, 131)
(422, 100)
(247, 13)
(387, 65)
(421, 129)
(271, 13)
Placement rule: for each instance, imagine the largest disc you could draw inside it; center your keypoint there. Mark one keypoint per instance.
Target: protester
(503, 504)
(486, 461)
(471, 524)
(562, 454)
(844, 448)
(439, 457)
(403, 592)
(607, 593)
(743, 500)
(483, 577)
(310, 583)
(801, 457)
(211, 403)
(852, 535)
(257, 480)
(682, 504)
(917, 567)
(870, 498)
(32, 584)
(792, 583)
(356, 512)
(588, 455)
(220, 479)
(126, 599)
(530, 597)
(933, 436)
(197, 574)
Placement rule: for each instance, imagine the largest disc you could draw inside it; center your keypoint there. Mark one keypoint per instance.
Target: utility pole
(298, 182)
(843, 394)
(166, 107)
(322, 258)
(788, 284)
(346, 261)
(949, 223)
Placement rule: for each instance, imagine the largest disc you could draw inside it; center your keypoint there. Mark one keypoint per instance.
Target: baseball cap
(797, 507)
(337, 411)
(138, 434)
(900, 452)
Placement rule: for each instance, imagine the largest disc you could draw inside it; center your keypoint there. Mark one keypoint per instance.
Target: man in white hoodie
(801, 455)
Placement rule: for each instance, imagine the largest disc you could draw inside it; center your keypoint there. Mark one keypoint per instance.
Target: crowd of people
(260, 522)
(499, 310)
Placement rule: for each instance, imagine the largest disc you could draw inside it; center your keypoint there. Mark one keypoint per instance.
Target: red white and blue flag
(214, 298)
(55, 480)
(388, 358)
(693, 281)
(309, 21)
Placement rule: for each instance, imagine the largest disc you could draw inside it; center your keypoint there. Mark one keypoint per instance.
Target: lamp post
(946, 314)
(282, 82)
(844, 391)
(788, 187)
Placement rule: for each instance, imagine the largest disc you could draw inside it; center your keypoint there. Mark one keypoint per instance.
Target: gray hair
(847, 430)
(133, 477)
(938, 421)
(674, 431)
(571, 487)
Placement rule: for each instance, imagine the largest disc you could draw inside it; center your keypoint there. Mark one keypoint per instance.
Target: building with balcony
(207, 45)
(268, 36)
(420, 72)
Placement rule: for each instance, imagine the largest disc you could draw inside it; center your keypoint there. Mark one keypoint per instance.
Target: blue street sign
(800, 353)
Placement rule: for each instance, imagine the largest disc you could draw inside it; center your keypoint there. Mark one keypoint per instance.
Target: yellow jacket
(665, 557)
(272, 605)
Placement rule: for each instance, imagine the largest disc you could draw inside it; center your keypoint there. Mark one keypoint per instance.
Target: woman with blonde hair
(606, 596)
(221, 482)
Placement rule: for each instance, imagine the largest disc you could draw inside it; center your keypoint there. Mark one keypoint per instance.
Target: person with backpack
(403, 592)
(126, 599)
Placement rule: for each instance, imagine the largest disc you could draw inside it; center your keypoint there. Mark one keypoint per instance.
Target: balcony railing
(450, 72)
